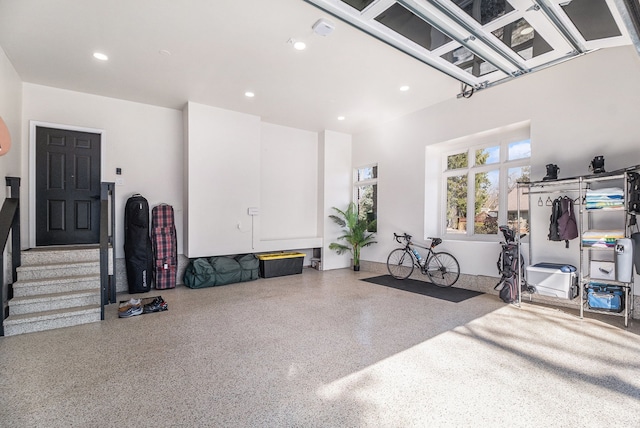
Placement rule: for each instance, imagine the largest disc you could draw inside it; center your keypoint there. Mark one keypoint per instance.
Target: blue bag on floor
(605, 297)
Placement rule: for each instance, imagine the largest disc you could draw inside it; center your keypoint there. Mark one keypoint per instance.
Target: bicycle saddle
(435, 242)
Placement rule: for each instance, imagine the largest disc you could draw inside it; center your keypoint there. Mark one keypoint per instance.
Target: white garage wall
(222, 158)
(235, 162)
(288, 183)
(144, 140)
(577, 110)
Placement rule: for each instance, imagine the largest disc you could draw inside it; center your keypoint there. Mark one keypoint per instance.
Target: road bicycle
(442, 268)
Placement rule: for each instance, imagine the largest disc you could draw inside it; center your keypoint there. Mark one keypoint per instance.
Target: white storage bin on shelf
(602, 270)
(553, 279)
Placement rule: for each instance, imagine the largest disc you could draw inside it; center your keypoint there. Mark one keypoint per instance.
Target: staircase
(56, 288)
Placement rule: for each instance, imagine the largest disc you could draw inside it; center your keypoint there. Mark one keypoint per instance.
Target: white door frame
(32, 165)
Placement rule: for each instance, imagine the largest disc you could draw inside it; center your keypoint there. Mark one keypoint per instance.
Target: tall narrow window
(521, 173)
(487, 202)
(366, 194)
(457, 203)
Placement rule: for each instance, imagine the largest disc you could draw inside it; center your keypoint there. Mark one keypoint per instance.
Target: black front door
(67, 187)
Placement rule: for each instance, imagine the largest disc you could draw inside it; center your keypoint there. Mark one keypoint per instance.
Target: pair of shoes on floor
(157, 305)
(130, 308)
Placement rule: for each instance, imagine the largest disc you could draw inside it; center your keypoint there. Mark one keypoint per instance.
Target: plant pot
(356, 268)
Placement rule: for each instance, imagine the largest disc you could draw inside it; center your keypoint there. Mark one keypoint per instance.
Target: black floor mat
(450, 294)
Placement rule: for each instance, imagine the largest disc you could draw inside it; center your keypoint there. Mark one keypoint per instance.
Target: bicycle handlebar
(404, 236)
(407, 240)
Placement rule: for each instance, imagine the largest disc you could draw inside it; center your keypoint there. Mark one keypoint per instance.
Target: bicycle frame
(409, 247)
(442, 268)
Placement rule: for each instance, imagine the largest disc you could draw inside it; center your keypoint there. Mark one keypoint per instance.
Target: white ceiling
(219, 49)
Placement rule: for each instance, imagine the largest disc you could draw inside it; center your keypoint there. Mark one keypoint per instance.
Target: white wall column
(336, 182)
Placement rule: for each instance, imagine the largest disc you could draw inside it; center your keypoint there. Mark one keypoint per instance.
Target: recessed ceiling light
(341, 118)
(300, 46)
(100, 56)
(404, 88)
(527, 30)
(249, 94)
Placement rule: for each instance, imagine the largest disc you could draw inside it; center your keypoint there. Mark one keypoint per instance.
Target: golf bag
(509, 285)
(165, 246)
(137, 245)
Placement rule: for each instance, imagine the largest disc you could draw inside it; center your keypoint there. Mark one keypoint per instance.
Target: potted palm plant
(355, 235)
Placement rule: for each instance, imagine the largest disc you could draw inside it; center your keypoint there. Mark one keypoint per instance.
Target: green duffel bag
(199, 274)
(248, 261)
(249, 264)
(249, 274)
(226, 270)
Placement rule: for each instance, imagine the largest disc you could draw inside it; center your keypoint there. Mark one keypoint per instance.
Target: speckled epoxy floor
(324, 349)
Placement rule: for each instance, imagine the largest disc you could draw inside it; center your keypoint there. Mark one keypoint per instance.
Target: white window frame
(502, 138)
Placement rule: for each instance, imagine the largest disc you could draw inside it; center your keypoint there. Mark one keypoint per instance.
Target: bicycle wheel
(400, 263)
(443, 269)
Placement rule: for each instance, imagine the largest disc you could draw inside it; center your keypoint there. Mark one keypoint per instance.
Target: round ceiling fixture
(323, 27)
(100, 56)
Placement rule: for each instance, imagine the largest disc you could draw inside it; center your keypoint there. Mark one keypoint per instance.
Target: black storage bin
(280, 264)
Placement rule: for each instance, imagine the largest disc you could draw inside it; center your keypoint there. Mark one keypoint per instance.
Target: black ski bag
(138, 252)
